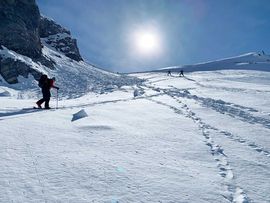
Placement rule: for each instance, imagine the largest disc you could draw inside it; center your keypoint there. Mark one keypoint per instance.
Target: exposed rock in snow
(79, 115)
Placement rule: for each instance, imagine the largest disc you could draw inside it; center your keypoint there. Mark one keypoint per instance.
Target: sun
(147, 42)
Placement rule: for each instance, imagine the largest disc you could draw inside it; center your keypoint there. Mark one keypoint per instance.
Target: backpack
(42, 80)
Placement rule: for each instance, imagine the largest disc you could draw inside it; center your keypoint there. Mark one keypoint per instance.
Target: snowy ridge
(56, 37)
(249, 61)
(49, 18)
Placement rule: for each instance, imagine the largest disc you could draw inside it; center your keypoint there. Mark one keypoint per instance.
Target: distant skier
(169, 73)
(181, 73)
(46, 84)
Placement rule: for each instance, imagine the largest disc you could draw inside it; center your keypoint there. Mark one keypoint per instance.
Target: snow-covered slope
(77, 78)
(249, 61)
(74, 78)
(200, 138)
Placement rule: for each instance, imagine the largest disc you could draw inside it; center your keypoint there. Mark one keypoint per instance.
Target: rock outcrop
(11, 69)
(19, 27)
(23, 31)
(59, 38)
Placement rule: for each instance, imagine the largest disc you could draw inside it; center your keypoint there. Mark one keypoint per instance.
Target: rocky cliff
(19, 27)
(24, 31)
(59, 38)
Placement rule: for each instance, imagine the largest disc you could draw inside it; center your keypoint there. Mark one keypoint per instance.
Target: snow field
(192, 139)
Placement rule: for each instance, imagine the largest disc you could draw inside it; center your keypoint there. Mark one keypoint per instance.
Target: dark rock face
(48, 27)
(49, 63)
(21, 30)
(10, 69)
(59, 38)
(19, 23)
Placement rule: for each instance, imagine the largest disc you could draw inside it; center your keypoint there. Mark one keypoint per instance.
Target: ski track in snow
(29, 111)
(218, 105)
(236, 138)
(174, 94)
(233, 110)
(234, 193)
(221, 107)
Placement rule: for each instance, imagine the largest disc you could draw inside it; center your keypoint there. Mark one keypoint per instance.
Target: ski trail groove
(252, 145)
(227, 134)
(236, 138)
(234, 193)
(233, 110)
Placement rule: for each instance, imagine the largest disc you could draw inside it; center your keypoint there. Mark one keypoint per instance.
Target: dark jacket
(48, 84)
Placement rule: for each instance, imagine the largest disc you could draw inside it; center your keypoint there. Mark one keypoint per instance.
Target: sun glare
(147, 42)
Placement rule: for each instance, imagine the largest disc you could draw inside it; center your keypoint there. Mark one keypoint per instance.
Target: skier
(169, 73)
(46, 84)
(181, 73)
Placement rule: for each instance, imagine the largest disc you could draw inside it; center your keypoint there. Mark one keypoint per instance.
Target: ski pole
(56, 99)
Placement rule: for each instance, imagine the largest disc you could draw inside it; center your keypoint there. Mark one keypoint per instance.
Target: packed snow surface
(201, 138)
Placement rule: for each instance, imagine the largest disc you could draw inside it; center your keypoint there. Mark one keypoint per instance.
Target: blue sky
(191, 31)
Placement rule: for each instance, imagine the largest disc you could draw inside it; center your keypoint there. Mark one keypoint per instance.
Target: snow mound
(79, 115)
